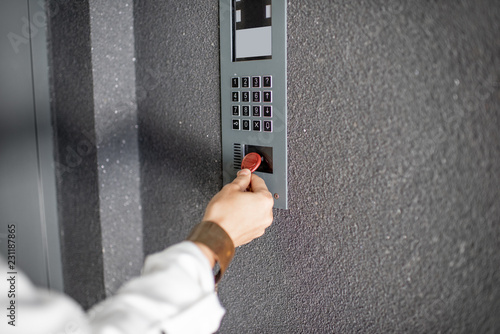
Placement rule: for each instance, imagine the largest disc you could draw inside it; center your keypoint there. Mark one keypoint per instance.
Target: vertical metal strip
(41, 199)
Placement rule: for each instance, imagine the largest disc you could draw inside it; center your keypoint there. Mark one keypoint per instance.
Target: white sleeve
(175, 294)
(27, 309)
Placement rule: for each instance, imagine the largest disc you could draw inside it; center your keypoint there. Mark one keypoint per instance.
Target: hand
(243, 208)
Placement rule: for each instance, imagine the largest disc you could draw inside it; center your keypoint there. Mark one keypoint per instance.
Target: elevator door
(27, 180)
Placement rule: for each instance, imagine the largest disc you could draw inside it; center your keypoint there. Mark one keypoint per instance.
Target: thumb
(242, 179)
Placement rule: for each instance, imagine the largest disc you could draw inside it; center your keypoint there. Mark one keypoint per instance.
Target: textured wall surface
(76, 155)
(394, 164)
(95, 123)
(115, 110)
(179, 122)
(394, 160)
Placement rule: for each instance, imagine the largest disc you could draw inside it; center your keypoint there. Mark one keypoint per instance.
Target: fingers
(258, 185)
(242, 179)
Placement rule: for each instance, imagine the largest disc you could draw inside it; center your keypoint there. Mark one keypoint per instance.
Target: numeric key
(256, 96)
(236, 96)
(235, 82)
(245, 96)
(236, 110)
(256, 111)
(255, 82)
(245, 82)
(246, 124)
(245, 110)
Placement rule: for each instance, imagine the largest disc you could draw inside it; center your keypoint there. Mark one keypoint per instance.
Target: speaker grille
(237, 156)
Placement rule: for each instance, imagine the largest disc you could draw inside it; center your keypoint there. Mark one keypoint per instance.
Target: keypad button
(256, 96)
(236, 124)
(246, 124)
(268, 126)
(245, 96)
(255, 82)
(267, 81)
(268, 96)
(245, 82)
(256, 125)
(236, 96)
(236, 110)
(256, 111)
(235, 82)
(245, 111)
(268, 111)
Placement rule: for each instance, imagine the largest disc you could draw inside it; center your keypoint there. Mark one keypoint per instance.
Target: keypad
(252, 98)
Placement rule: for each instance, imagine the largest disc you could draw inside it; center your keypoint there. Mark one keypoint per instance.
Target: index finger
(258, 184)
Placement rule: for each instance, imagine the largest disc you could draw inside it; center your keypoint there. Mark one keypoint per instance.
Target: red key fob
(251, 161)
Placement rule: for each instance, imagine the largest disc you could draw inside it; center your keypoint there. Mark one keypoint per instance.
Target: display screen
(252, 30)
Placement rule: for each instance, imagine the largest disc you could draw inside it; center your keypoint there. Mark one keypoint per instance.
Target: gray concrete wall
(394, 161)
(394, 164)
(72, 104)
(97, 161)
(115, 112)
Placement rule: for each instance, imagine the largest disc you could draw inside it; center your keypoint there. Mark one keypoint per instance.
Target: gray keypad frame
(275, 68)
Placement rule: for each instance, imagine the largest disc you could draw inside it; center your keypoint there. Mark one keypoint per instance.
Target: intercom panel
(253, 90)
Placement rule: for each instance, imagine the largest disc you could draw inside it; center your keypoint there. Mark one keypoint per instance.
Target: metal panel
(261, 67)
(27, 181)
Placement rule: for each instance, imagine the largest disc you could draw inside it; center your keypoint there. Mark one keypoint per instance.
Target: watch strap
(216, 238)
